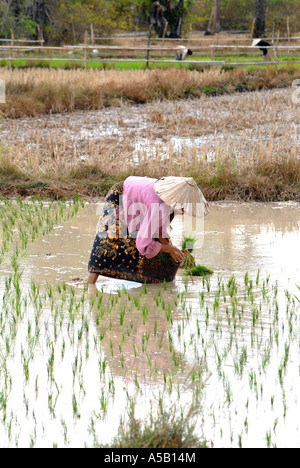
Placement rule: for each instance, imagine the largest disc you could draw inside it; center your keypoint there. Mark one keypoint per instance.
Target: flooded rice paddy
(74, 362)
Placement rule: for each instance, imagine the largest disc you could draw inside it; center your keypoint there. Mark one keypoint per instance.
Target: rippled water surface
(73, 361)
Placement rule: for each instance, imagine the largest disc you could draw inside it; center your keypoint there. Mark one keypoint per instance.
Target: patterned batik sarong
(116, 256)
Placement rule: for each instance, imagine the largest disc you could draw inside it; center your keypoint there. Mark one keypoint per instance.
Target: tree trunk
(169, 16)
(176, 20)
(73, 32)
(214, 23)
(5, 15)
(158, 19)
(260, 19)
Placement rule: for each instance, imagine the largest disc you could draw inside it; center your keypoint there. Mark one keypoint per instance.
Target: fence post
(10, 50)
(275, 52)
(288, 32)
(252, 27)
(40, 35)
(92, 35)
(148, 47)
(135, 35)
(164, 35)
(190, 36)
(273, 32)
(85, 50)
(212, 56)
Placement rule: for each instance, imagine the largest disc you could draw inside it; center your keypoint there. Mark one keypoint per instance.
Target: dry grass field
(73, 132)
(37, 91)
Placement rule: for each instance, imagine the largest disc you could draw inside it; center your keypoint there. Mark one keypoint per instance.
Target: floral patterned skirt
(116, 256)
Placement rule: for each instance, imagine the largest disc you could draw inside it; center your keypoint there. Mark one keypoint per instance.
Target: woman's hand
(175, 253)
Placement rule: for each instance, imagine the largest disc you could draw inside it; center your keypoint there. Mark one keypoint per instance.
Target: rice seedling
(75, 406)
(297, 298)
(233, 339)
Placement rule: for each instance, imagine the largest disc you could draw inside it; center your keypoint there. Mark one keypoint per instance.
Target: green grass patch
(166, 430)
(139, 63)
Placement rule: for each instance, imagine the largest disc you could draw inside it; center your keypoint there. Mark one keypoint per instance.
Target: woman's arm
(164, 240)
(167, 247)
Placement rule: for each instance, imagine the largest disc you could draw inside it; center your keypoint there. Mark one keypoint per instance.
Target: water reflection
(236, 238)
(137, 329)
(143, 341)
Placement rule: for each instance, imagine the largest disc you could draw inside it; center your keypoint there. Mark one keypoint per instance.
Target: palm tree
(260, 19)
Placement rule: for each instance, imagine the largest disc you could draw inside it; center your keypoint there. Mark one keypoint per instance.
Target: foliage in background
(66, 20)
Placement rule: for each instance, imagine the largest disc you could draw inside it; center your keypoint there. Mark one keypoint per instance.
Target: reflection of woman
(138, 347)
(132, 240)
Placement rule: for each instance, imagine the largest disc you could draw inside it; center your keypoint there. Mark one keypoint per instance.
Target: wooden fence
(147, 51)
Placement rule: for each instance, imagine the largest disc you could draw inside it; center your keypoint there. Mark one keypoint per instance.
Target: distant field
(140, 64)
(231, 48)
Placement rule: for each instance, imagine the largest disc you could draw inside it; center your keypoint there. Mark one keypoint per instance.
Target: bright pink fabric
(146, 213)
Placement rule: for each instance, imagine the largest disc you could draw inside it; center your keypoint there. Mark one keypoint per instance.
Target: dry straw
(39, 91)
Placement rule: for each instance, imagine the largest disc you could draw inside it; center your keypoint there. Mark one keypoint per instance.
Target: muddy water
(233, 239)
(242, 402)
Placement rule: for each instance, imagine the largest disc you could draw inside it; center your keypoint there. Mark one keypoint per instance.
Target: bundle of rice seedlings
(189, 263)
(187, 247)
(198, 270)
(188, 243)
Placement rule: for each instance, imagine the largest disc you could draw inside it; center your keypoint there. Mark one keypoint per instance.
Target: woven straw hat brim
(182, 192)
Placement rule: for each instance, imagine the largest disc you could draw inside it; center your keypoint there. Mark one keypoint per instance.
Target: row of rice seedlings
(243, 311)
(112, 303)
(22, 222)
(259, 330)
(236, 314)
(231, 332)
(66, 332)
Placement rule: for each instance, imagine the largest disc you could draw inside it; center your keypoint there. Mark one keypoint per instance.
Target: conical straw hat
(182, 192)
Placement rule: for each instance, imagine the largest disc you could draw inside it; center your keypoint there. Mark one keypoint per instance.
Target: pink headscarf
(146, 215)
